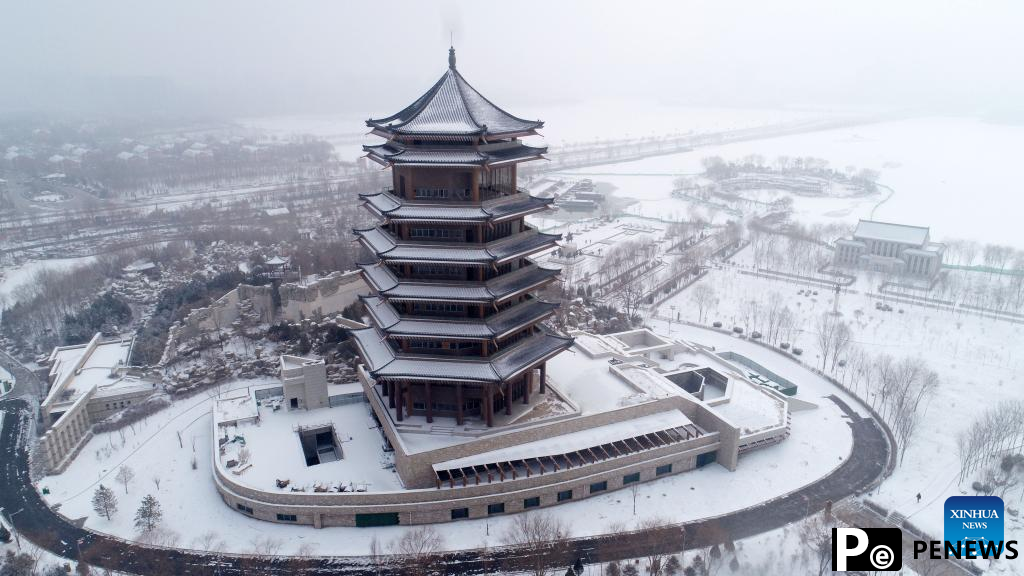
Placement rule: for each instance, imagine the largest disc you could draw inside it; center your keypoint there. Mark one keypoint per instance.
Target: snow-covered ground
(14, 277)
(976, 358)
(574, 123)
(956, 175)
(819, 442)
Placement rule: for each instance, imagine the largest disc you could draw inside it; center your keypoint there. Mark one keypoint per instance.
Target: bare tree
(543, 536)
(266, 545)
(125, 475)
(208, 541)
(834, 336)
(422, 547)
(704, 297)
(657, 532)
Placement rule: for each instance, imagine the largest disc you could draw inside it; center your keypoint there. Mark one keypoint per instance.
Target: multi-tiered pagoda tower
(455, 323)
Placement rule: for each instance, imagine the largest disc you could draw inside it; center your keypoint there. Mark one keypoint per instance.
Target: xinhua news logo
(972, 528)
(867, 549)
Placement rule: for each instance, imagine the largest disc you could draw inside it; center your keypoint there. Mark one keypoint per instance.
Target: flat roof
(275, 450)
(900, 233)
(97, 363)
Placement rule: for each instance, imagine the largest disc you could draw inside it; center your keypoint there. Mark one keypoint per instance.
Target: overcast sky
(240, 58)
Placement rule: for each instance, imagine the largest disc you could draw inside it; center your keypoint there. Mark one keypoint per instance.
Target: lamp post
(10, 520)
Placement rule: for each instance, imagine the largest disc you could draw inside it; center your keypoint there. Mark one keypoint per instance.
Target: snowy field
(819, 442)
(14, 277)
(933, 164)
(977, 359)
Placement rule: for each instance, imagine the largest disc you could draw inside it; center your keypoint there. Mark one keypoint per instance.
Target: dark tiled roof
(383, 362)
(386, 283)
(516, 317)
(388, 248)
(394, 153)
(395, 208)
(453, 108)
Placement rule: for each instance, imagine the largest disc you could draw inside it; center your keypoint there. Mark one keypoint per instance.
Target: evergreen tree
(104, 502)
(673, 566)
(148, 515)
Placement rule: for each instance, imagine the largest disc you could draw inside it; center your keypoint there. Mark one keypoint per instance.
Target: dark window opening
(531, 502)
(458, 513)
(287, 517)
(631, 478)
(598, 487)
(244, 508)
(666, 469)
(565, 495)
(496, 508)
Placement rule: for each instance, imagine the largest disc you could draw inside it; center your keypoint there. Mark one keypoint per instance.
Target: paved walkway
(25, 381)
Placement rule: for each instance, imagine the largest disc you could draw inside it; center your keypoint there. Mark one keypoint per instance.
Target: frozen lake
(956, 175)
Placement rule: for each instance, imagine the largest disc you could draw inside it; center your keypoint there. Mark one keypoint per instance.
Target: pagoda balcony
(382, 361)
(500, 325)
(384, 281)
(387, 205)
(388, 248)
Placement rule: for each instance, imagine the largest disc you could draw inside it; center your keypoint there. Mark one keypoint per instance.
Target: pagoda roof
(385, 283)
(383, 362)
(386, 247)
(451, 107)
(389, 206)
(392, 153)
(496, 326)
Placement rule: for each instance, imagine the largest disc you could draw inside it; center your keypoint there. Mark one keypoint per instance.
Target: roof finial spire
(451, 56)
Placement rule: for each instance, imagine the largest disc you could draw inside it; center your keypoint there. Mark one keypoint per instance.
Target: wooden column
(508, 398)
(544, 378)
(489, 406)
(408, 399)
(475, 185)
(391, 393)
(430, 408)
(527, 383)
(397, 396)
(459, 417)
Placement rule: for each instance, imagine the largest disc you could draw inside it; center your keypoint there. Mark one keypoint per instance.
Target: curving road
(49, 530)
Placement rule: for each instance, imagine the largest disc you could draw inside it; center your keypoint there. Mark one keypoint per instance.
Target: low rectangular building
(893, 248)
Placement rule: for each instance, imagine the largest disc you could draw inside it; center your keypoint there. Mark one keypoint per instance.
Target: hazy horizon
(234, 59)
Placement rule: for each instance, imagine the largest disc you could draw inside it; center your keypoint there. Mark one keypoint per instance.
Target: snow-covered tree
(148, 515)
(104, 502)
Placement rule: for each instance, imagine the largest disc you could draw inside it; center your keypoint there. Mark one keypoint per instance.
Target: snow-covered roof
(453, 108)
(239, 406)
(574, 441)
(276, 211)
(382, 360)
(384, 281)
(82, 368)
(397, 153)
(389, 248)
(140, 265)
(276, 261)
(390, 206)
(886, 232)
